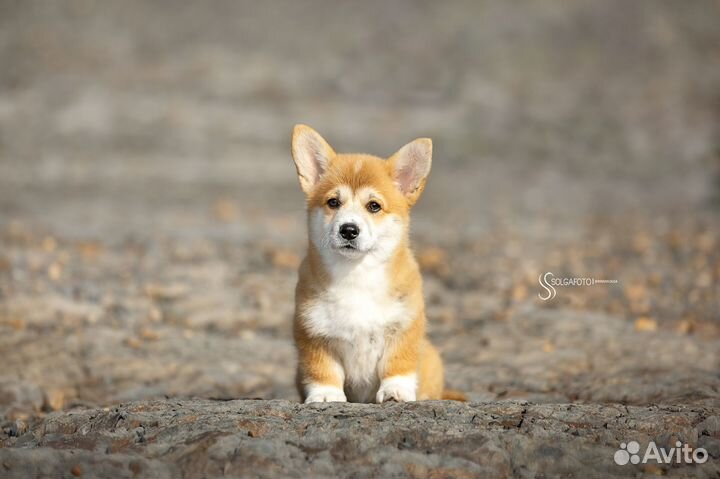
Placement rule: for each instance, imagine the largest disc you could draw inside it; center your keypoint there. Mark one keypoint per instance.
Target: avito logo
(680, 454)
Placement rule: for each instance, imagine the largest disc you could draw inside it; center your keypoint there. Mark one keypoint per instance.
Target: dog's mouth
(347, 245)
(349, 248)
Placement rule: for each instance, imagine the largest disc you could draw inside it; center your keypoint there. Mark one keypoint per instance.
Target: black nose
(349, 231)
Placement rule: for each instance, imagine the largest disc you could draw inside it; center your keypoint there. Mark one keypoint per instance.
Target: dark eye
(373, 207)
(333, 203)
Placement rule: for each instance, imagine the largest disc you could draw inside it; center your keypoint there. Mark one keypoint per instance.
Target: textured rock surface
(200, 438)
(151, 225)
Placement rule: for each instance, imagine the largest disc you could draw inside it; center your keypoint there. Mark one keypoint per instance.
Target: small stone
(166, 291)
(15, 323)
(155, 315)
(54, 271)
(645, 324)
(149, 335)
(635, 292)
(434, 260)
(225, 210)
(49, 244)
(653, 469)
(282, 258)
(21, 426)
(685, 326)
(90, 250)
(519, 292)
(133, 343)
(247, 334)
(54, 399)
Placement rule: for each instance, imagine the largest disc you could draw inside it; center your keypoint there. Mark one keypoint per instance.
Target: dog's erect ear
(312, 155)
(411, 166)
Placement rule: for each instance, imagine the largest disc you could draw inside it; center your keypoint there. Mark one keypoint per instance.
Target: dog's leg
(320, 376)
(399, 375)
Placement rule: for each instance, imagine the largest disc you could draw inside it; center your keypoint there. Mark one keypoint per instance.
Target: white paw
(320, 393)
(397, 388)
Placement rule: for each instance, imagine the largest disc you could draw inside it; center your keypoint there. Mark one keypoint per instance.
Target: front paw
(321, 393)
(397, 388)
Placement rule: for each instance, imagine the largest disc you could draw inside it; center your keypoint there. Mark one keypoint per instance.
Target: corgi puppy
(359, 322)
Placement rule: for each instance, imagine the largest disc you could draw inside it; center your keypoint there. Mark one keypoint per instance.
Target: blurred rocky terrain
(151, 225)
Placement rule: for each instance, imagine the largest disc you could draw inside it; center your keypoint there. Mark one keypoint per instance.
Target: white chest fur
(355, 312)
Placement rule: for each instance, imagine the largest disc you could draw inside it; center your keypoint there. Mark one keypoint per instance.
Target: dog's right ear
(312, 156)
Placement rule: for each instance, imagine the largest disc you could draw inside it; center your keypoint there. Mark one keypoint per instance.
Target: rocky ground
(151, 226)
(201, 438)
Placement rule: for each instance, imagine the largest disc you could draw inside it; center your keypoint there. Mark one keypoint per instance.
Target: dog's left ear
(411, 166)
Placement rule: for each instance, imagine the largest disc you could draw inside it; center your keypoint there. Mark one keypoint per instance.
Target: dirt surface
(199, 438)
(151, 225)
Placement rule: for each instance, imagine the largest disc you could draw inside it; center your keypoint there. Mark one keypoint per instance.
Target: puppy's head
(358, 204)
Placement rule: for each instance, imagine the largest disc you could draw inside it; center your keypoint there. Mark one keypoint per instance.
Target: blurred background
(151, 222)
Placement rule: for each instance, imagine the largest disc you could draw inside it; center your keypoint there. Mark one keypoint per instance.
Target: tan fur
(406, 348)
